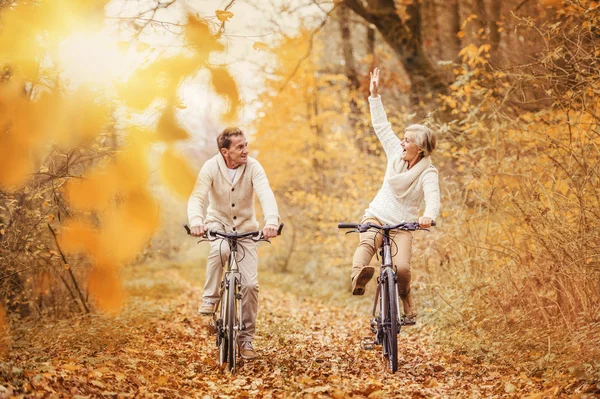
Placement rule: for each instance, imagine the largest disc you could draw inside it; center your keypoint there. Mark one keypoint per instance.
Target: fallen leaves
(160, 347)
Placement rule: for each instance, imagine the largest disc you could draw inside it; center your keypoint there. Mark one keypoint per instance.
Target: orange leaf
(223, 15)
(260, 46)
(177, 174)
(105, 287)
(224, 85)
(168, 128)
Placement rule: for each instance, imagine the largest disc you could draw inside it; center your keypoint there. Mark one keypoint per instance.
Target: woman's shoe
(361, 279)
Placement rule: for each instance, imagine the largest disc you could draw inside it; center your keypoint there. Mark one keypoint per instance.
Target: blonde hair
(424, 139)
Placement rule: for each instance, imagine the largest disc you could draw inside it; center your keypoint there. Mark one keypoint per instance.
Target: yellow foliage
(29, 29)
(198, 34)
(224, 85)
(78, 236)
(126, 230)
(83, 118)
(105, 287)
(177, 174)
(168, 128)
(94, 191)
(160, 79)
(15, 165)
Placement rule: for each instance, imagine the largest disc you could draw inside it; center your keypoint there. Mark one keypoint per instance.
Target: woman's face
(411, 151)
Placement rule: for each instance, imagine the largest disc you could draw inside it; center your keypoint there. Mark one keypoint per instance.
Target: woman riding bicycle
(410, 177)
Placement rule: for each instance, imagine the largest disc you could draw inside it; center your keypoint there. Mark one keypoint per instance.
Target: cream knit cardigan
(403, 190)
(231, 203)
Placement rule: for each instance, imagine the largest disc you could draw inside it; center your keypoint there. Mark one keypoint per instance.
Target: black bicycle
(229, 324)
(386, 322)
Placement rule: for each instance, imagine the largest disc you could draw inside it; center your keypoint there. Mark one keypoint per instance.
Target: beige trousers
(370, 242)
(247, 257)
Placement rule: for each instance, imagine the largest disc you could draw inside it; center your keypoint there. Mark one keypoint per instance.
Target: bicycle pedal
(368, 343)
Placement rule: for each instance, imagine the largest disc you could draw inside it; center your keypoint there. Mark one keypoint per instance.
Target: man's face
(237, 153)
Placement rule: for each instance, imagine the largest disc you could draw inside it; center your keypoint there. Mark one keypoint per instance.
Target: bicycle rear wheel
(232, 327)
(390, 323)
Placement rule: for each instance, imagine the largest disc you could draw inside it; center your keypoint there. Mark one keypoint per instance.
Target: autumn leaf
(127, 229)
(168, 129)
(78, 236)
(260, 46)
(223, 15)
(105, 287)
(166, 74)
(224, 85)
(95, 190)
(177, 173)
(198, 34)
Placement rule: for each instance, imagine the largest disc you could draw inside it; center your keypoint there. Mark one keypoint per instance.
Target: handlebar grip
(347, 225)
(211, 233)
(187, 228)
(280, 229)
(433, 223)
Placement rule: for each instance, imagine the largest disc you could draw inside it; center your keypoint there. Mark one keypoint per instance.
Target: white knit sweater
(390, 205)
(231, 203)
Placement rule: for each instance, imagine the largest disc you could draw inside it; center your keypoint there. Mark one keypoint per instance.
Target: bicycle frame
(231, 270)
(386, 262)
(230, 295)
(386, 322)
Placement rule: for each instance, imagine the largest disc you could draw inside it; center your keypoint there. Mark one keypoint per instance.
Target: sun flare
(92, 58)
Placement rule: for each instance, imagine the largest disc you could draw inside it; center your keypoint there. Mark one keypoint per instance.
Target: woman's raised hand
(374, 86)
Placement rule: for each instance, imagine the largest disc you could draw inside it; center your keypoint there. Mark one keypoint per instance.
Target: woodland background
(94, 175)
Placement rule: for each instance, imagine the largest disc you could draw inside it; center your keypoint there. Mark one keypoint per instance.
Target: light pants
(370, 242)
(247, 257)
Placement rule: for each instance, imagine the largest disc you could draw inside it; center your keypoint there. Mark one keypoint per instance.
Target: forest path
(158, 346)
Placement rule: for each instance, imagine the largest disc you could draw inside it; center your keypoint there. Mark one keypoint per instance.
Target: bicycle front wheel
(222, 341)
(390, 324)
(232, 327)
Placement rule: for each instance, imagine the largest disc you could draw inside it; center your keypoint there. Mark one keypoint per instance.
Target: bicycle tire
(221, 336)
(391, 320)
(231, 323)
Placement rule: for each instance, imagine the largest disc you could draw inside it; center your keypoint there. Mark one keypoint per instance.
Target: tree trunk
(347, 50)
(481, 17)
(405, 39)
(455, 27)
(437, 42)
(496, 14)
(371, 46)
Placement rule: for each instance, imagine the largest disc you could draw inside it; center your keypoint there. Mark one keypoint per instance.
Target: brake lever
(352, 231)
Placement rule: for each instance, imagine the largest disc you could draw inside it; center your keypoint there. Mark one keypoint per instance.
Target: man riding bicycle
(229, 180)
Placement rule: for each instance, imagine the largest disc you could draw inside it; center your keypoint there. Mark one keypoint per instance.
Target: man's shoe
(409, 320)
(207, 308)
(361, 279)
(247, 352)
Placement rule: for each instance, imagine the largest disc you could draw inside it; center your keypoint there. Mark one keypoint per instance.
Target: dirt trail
(160, 347)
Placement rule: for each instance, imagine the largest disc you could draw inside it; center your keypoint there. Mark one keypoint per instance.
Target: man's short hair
(425, 138)
(224, 139)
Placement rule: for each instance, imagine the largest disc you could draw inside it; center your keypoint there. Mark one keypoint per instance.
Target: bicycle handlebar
(364, 227)
(234, 235)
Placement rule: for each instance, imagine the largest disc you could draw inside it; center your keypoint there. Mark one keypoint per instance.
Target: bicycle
(386, 322)
(229, 323)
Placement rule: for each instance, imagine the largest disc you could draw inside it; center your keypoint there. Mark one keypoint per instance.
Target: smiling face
(412, 152)
(237, 153)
